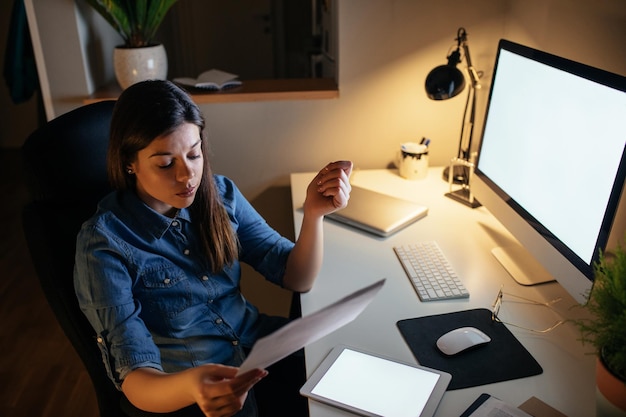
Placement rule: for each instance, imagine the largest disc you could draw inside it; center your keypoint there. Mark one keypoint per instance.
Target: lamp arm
(467, 126)
(470, 68)
(465, 143)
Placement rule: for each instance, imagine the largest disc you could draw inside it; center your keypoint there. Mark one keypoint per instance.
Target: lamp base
(459, 174)
(463, 196)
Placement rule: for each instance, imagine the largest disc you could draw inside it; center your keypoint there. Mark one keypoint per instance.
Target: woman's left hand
(328, 192)
(330, 189)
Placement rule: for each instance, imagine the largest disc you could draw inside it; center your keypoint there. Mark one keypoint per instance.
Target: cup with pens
(412, 160)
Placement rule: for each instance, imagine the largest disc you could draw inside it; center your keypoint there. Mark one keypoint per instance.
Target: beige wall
(386, 49)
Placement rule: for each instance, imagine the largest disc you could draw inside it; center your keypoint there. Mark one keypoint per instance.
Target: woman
(157, 267)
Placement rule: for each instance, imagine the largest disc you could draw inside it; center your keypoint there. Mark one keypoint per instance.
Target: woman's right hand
(217, 389)
(220, 392)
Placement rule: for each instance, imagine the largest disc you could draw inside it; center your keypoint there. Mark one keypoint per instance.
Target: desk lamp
(447, 81)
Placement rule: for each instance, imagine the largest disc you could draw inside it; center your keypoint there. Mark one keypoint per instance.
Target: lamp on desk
(447, 81)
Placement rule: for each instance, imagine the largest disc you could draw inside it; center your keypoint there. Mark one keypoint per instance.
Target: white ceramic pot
(139, 64)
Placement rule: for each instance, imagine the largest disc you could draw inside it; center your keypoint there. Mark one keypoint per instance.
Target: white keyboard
(430, 272)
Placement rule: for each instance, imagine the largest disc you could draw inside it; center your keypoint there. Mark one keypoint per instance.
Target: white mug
(412, 161)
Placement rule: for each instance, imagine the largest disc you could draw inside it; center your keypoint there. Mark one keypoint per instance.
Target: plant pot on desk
(610, 393)
(133, 65)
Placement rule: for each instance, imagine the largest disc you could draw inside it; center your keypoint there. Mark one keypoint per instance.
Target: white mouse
(458, 340)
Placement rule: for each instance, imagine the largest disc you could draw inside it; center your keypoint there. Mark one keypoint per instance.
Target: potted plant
(605, 330)
(137, 21)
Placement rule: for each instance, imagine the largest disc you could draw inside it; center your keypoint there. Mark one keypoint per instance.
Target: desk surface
(354, 259)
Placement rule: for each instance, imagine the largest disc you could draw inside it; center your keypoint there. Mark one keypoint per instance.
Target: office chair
(65, 172)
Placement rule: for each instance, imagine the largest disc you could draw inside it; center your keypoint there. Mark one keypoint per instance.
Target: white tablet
(371, 385)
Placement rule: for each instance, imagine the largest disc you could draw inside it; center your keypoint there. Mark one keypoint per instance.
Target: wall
(17, 120)
(384, 56)
(386, 49)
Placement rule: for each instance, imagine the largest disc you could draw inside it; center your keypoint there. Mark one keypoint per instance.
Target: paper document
(305, 330)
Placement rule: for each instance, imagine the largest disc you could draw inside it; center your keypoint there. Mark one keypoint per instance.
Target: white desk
(354, 259)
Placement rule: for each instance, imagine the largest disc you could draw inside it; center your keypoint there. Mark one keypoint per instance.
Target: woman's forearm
(215, 388)
(327, 192)
(305, 259)
(152, 390)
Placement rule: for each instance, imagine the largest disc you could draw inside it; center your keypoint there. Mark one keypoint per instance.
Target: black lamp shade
(444, 82)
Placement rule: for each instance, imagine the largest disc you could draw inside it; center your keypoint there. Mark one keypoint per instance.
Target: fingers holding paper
(222, 393)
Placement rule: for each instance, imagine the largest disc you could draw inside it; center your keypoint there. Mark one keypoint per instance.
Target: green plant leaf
(156, 14)
(606, 330)
(115, 14)
(137, 21)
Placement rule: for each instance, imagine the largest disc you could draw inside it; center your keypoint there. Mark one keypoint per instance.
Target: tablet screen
(374, 386)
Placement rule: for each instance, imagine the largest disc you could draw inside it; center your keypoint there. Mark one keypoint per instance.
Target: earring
(129, 171)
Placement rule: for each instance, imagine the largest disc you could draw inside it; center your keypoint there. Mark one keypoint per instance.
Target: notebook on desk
(377, 213)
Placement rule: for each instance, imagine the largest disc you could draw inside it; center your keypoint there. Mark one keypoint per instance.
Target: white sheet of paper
(305, 330)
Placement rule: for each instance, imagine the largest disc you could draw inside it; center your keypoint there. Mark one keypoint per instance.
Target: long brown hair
(145, 111)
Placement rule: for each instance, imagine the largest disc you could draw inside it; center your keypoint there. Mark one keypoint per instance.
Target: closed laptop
(377, 213)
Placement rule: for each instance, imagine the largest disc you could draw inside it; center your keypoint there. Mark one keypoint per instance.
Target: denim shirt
(147, 290)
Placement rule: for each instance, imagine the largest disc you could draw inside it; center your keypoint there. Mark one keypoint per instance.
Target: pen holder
(412, 161)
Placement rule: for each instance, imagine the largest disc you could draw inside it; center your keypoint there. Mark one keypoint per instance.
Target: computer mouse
(463, 338)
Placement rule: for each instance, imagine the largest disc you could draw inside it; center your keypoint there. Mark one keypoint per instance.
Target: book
(212, 79)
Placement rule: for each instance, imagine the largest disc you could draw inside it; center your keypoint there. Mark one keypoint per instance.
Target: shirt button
(100, 340)
(218, 321)
(186, 251)
(235, 342)
(175, 223)
(205, 278)
(211, 301)
(166, 281)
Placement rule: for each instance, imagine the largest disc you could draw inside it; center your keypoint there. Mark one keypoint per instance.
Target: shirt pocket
(165, 291)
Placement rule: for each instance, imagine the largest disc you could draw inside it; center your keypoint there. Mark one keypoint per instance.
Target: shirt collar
(151, 221)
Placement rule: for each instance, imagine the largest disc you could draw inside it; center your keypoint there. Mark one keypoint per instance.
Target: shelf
(250, 90)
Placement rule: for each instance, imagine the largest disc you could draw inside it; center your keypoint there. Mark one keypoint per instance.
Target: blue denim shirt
(147, 290)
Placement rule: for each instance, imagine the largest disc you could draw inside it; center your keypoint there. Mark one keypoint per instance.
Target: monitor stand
(521, 265)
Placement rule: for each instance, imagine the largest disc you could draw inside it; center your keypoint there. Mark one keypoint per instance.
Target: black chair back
(65, 168)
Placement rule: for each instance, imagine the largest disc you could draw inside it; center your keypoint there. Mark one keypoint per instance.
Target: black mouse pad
(502, 359)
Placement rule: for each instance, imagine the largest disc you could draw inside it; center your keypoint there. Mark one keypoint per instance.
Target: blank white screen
(553, 142)
(377, 385)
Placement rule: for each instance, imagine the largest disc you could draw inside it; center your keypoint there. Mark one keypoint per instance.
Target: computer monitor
(551, 164)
